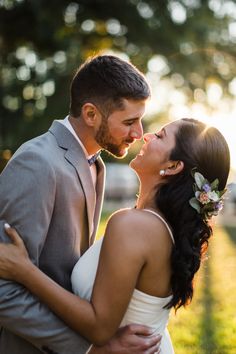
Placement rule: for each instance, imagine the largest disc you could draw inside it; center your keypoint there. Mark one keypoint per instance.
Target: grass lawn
(208, 325)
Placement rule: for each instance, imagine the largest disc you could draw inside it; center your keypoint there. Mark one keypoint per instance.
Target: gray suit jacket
(47, 194)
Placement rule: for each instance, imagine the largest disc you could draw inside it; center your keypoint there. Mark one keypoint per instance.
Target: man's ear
(90, 114)
(174, 168)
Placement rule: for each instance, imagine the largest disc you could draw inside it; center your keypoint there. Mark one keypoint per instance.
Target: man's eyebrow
(132, 118)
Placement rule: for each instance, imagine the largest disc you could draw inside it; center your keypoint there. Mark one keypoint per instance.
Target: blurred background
(187, 50)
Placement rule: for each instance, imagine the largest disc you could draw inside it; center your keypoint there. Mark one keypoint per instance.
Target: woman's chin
(132, 163)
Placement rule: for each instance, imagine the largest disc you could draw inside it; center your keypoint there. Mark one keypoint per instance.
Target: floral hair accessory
(208, 199)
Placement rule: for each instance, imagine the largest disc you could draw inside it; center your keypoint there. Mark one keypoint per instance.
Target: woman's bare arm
(121, 260)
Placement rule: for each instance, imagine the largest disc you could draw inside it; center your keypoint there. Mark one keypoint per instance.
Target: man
(52, 189)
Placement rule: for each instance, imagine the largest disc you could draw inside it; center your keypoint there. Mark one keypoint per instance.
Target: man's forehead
(133, 102)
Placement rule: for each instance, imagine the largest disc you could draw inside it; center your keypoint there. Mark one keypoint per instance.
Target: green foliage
(208, 325)
(43, 42)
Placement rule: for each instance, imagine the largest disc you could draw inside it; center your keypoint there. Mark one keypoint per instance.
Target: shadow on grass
(231, 232)
(208, 340)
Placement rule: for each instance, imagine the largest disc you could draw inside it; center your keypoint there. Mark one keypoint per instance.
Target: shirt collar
(68, 125)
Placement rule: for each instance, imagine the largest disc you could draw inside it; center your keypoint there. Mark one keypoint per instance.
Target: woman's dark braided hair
(205, 149)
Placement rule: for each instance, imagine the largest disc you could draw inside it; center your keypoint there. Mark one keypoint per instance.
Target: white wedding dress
(142, 309)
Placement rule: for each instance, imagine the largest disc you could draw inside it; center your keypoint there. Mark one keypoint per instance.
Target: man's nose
(137, 132)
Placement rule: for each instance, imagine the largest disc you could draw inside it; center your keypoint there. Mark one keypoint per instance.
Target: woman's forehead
(172, 127)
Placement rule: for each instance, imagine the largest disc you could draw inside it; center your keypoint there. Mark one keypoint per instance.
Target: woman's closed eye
(158, 136)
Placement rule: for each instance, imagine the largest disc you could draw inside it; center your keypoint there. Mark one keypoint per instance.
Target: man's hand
(131, 339)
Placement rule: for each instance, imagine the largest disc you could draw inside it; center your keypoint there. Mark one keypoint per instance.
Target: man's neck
(84, 134)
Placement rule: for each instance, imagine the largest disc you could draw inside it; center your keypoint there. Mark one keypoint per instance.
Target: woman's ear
(174, 168)
(90, 114)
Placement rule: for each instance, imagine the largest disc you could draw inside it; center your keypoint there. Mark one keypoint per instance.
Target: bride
(146, 263)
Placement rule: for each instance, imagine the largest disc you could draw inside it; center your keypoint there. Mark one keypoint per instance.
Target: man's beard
(106, 141)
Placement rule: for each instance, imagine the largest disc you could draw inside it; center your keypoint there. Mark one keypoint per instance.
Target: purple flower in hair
(206, 187)
(219, 205)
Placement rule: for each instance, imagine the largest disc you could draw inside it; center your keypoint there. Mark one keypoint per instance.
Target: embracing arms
(120, 264)
(22, 205)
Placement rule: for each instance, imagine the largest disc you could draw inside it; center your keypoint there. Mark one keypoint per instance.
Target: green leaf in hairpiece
(195, 204)
(199, 179)
(214, 184)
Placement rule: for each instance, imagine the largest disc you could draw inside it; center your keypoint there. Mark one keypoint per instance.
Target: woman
(149, 254)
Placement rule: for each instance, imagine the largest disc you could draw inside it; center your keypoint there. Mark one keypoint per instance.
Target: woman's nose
(147, 137)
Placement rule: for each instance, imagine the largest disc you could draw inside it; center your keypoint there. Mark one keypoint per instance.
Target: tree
(43, 42)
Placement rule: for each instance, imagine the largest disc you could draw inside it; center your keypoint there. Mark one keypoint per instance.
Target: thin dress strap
(163, 220)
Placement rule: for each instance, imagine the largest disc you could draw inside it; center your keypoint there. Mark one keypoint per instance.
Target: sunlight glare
(225, 122)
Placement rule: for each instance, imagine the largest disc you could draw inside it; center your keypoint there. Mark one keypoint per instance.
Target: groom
(51, 191)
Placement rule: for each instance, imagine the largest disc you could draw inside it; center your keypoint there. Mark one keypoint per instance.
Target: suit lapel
(84, 175)
(76, 157)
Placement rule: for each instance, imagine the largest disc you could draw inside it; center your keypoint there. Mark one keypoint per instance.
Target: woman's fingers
(13, 255)
(14, 236)
(17, 241)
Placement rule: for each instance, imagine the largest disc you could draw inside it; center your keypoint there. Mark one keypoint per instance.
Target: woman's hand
(14, 258)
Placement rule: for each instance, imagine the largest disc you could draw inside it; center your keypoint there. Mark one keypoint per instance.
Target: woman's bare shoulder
(139, 223)
(125, 221)
(128, 215)
(138, 233)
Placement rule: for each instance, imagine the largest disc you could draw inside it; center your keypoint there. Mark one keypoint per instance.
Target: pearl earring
(162, 172)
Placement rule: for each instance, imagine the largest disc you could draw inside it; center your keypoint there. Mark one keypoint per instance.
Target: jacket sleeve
(27, 194)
